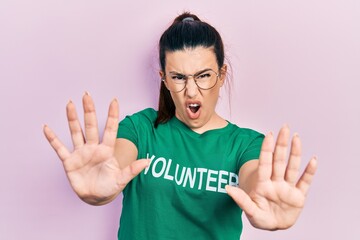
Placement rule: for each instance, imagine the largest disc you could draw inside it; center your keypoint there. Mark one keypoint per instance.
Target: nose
(191, 87)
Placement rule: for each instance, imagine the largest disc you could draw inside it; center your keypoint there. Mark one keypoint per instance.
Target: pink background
(295, 62)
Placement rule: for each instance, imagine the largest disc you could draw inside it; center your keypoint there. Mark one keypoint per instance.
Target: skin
(190, 61)
(96, 174)
(270, 192)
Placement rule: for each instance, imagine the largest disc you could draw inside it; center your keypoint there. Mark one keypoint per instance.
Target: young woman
(184, 170)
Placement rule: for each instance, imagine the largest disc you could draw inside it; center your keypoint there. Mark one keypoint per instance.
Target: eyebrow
(199, 72)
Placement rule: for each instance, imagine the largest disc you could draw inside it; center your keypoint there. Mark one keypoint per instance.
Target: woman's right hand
(92, 169)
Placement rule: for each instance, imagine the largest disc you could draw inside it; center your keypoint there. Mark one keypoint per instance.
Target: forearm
(248, 175)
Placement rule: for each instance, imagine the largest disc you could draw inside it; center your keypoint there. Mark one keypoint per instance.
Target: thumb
(134, 169)
(242, 199)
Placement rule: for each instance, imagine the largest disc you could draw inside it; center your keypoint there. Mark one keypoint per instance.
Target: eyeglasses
(205, 80)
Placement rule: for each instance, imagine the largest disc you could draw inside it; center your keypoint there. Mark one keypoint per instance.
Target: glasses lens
(206, 80)
(176, 82)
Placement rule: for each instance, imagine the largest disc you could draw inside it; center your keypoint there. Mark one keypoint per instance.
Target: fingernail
(227, 188)
(296, 134)
(270, 134)
(69, 101)
(87, 93)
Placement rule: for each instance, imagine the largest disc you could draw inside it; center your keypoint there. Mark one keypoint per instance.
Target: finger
(77, 135)
(292, 170)
(111, 126)
(265, 159)
(242, 200)
(280, 154)
(133, 170)
(91, 126)
(306, 178)
(57, 145)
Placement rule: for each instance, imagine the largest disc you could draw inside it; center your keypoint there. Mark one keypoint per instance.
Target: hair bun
(186, 17)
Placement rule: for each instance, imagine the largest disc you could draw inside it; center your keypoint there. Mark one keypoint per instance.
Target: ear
(223, 72)
(162, 74)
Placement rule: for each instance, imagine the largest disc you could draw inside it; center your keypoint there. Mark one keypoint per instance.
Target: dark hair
(182, 34)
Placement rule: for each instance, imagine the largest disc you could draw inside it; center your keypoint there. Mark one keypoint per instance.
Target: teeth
(193, 105)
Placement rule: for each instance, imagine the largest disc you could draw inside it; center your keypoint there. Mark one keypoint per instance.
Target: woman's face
(195, 107)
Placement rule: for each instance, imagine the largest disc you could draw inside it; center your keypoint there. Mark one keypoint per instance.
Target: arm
(270, 192)
(248, 175)
(125, 152)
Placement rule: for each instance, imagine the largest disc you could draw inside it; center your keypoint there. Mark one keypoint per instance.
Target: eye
(177, 77)
(203, 76)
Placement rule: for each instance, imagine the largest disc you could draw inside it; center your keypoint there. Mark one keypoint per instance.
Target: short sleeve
(127, 130)
(134, 126)
(252, 151)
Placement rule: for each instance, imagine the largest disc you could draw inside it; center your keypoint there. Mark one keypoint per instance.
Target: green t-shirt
(181, 195)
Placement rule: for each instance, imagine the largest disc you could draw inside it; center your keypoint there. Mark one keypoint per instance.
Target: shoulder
(245, 138)
(245, 132)
(143, 119)
(148, 115)
(147, 112)
(246, 143)
(139, 123)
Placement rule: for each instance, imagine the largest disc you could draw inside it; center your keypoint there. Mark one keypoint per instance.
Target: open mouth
(194, 107)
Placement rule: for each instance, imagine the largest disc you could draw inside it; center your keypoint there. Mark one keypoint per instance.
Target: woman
(184, 170)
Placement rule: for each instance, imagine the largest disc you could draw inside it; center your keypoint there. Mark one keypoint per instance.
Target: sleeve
(136, 125)
(127, 130)
(252, 151)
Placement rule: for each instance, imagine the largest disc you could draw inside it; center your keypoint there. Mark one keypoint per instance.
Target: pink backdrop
(295, 62)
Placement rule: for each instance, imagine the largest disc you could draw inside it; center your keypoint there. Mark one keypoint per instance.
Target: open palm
(278, 196)
(92, 169)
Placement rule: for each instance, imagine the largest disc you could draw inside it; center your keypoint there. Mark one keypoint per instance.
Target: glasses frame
(186, 76)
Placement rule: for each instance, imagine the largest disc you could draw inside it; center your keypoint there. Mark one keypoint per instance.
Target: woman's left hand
(277, 196)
